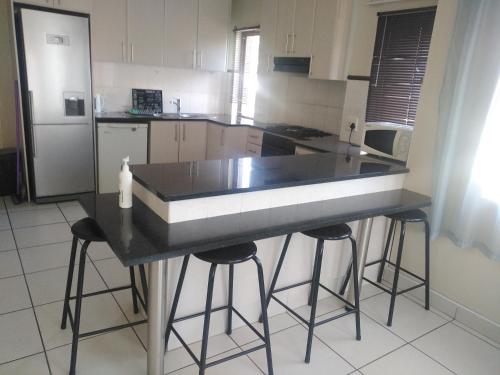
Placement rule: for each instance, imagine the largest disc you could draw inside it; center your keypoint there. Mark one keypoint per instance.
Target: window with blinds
(246, 59)
(398, 67)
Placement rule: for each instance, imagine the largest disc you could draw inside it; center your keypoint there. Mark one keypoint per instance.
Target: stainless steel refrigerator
(54, 61)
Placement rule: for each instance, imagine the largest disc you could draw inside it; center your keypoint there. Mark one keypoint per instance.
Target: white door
(193, 141)
(267, 35)
(213, 26)
(302, 28)
(145, 31)
(215, 142)
(164, 142)
(115, 142)
(109, 30)
(83, 6)
(181, 32)
(284, 27)
(235, 142)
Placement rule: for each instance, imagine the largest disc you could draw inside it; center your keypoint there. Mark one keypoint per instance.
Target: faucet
(177, 102)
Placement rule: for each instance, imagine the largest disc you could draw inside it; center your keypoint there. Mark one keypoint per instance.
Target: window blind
(246, 58)
(398, 67)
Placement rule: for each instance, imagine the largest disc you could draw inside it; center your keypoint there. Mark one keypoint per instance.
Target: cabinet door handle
(123, 51)
(287, 41)
(293, 43)
(184, 132)
(311, 66)
(194, 59)
(132, 52)
(222, 137)
(201, 60)
(176, 136)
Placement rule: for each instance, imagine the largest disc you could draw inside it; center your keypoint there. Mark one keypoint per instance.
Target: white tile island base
(201, 208)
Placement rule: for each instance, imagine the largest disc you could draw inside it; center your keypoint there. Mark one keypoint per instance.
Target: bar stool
(332, 233)
(229, 255)
(87, 230)
(411, 216)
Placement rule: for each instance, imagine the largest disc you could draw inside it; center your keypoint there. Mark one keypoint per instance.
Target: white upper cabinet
(294, 27)
(145, 31)
(82, 6)
(330, 39)
(267, 36)
(284, 26)
(213, 26)
(181, 33)
(302, 28)
(108, 22)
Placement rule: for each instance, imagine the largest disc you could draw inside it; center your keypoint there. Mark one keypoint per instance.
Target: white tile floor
(34, 248)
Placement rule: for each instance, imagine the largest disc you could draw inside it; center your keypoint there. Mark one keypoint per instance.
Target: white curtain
(466, 181)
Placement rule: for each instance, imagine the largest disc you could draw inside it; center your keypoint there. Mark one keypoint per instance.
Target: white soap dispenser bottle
(125, 185)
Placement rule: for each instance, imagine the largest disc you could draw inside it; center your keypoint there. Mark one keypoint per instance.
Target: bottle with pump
(125, 185)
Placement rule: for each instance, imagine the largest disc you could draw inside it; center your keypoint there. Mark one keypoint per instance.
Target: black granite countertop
(324, 144)
(179, 181)
(137, 235)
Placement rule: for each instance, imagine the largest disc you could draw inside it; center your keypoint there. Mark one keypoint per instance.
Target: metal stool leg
(386, 250)
(229, 328)
(144, 283)
(315, 288)
(427, 264)
(134, 290)
(206, 324)
(78, 307)
(262, 292)
(346, 279)
(176, 299)
(69, 282)
(356, 286)
(277, 272)
(309, 300)
(396, 273)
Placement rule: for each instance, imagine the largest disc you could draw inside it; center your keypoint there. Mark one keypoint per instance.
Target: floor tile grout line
(474, 333)
(432, 358)
(15, 311)
(30, 297)
(246, 355)
(428, 332)
(38, 225)
(107, 286)
(21, 358)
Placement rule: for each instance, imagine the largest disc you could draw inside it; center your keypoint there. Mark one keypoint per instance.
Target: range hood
(292, 64)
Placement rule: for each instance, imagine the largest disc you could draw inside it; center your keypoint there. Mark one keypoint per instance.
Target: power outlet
(353, 124)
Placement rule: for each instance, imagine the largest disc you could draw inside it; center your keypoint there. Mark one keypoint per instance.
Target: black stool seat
(87, 229)
(229, 255)
(334, 232)
(411, 216)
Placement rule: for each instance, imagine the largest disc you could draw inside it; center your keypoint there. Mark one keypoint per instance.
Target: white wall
(201, 92)
(295, 99)
(463, 275)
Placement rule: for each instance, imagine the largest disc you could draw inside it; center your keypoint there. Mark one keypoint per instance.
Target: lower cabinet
(193, 141)
(224, 142)
(174, 141)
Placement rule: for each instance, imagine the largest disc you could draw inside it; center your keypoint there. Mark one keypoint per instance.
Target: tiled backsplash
(295, 99)
(201, 92)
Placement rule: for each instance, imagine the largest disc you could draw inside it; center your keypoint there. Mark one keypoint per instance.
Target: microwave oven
(387, 140)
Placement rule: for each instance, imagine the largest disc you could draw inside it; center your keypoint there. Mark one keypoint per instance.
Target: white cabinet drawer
(253, 150)
(255, 136)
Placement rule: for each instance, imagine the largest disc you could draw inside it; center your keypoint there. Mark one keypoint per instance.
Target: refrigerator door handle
(30, 110)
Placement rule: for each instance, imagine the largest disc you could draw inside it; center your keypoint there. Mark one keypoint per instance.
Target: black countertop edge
(184, 196)
(139, 236)
(219, 119)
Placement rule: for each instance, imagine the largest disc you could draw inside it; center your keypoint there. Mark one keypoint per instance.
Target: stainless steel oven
(273, 145)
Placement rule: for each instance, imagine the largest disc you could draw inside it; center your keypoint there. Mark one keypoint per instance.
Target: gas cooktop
(296, 132)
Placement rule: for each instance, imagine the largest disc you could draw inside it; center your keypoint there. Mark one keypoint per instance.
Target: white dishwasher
(114, 142)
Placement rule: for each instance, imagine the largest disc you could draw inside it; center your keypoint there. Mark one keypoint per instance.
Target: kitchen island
(344, 189)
